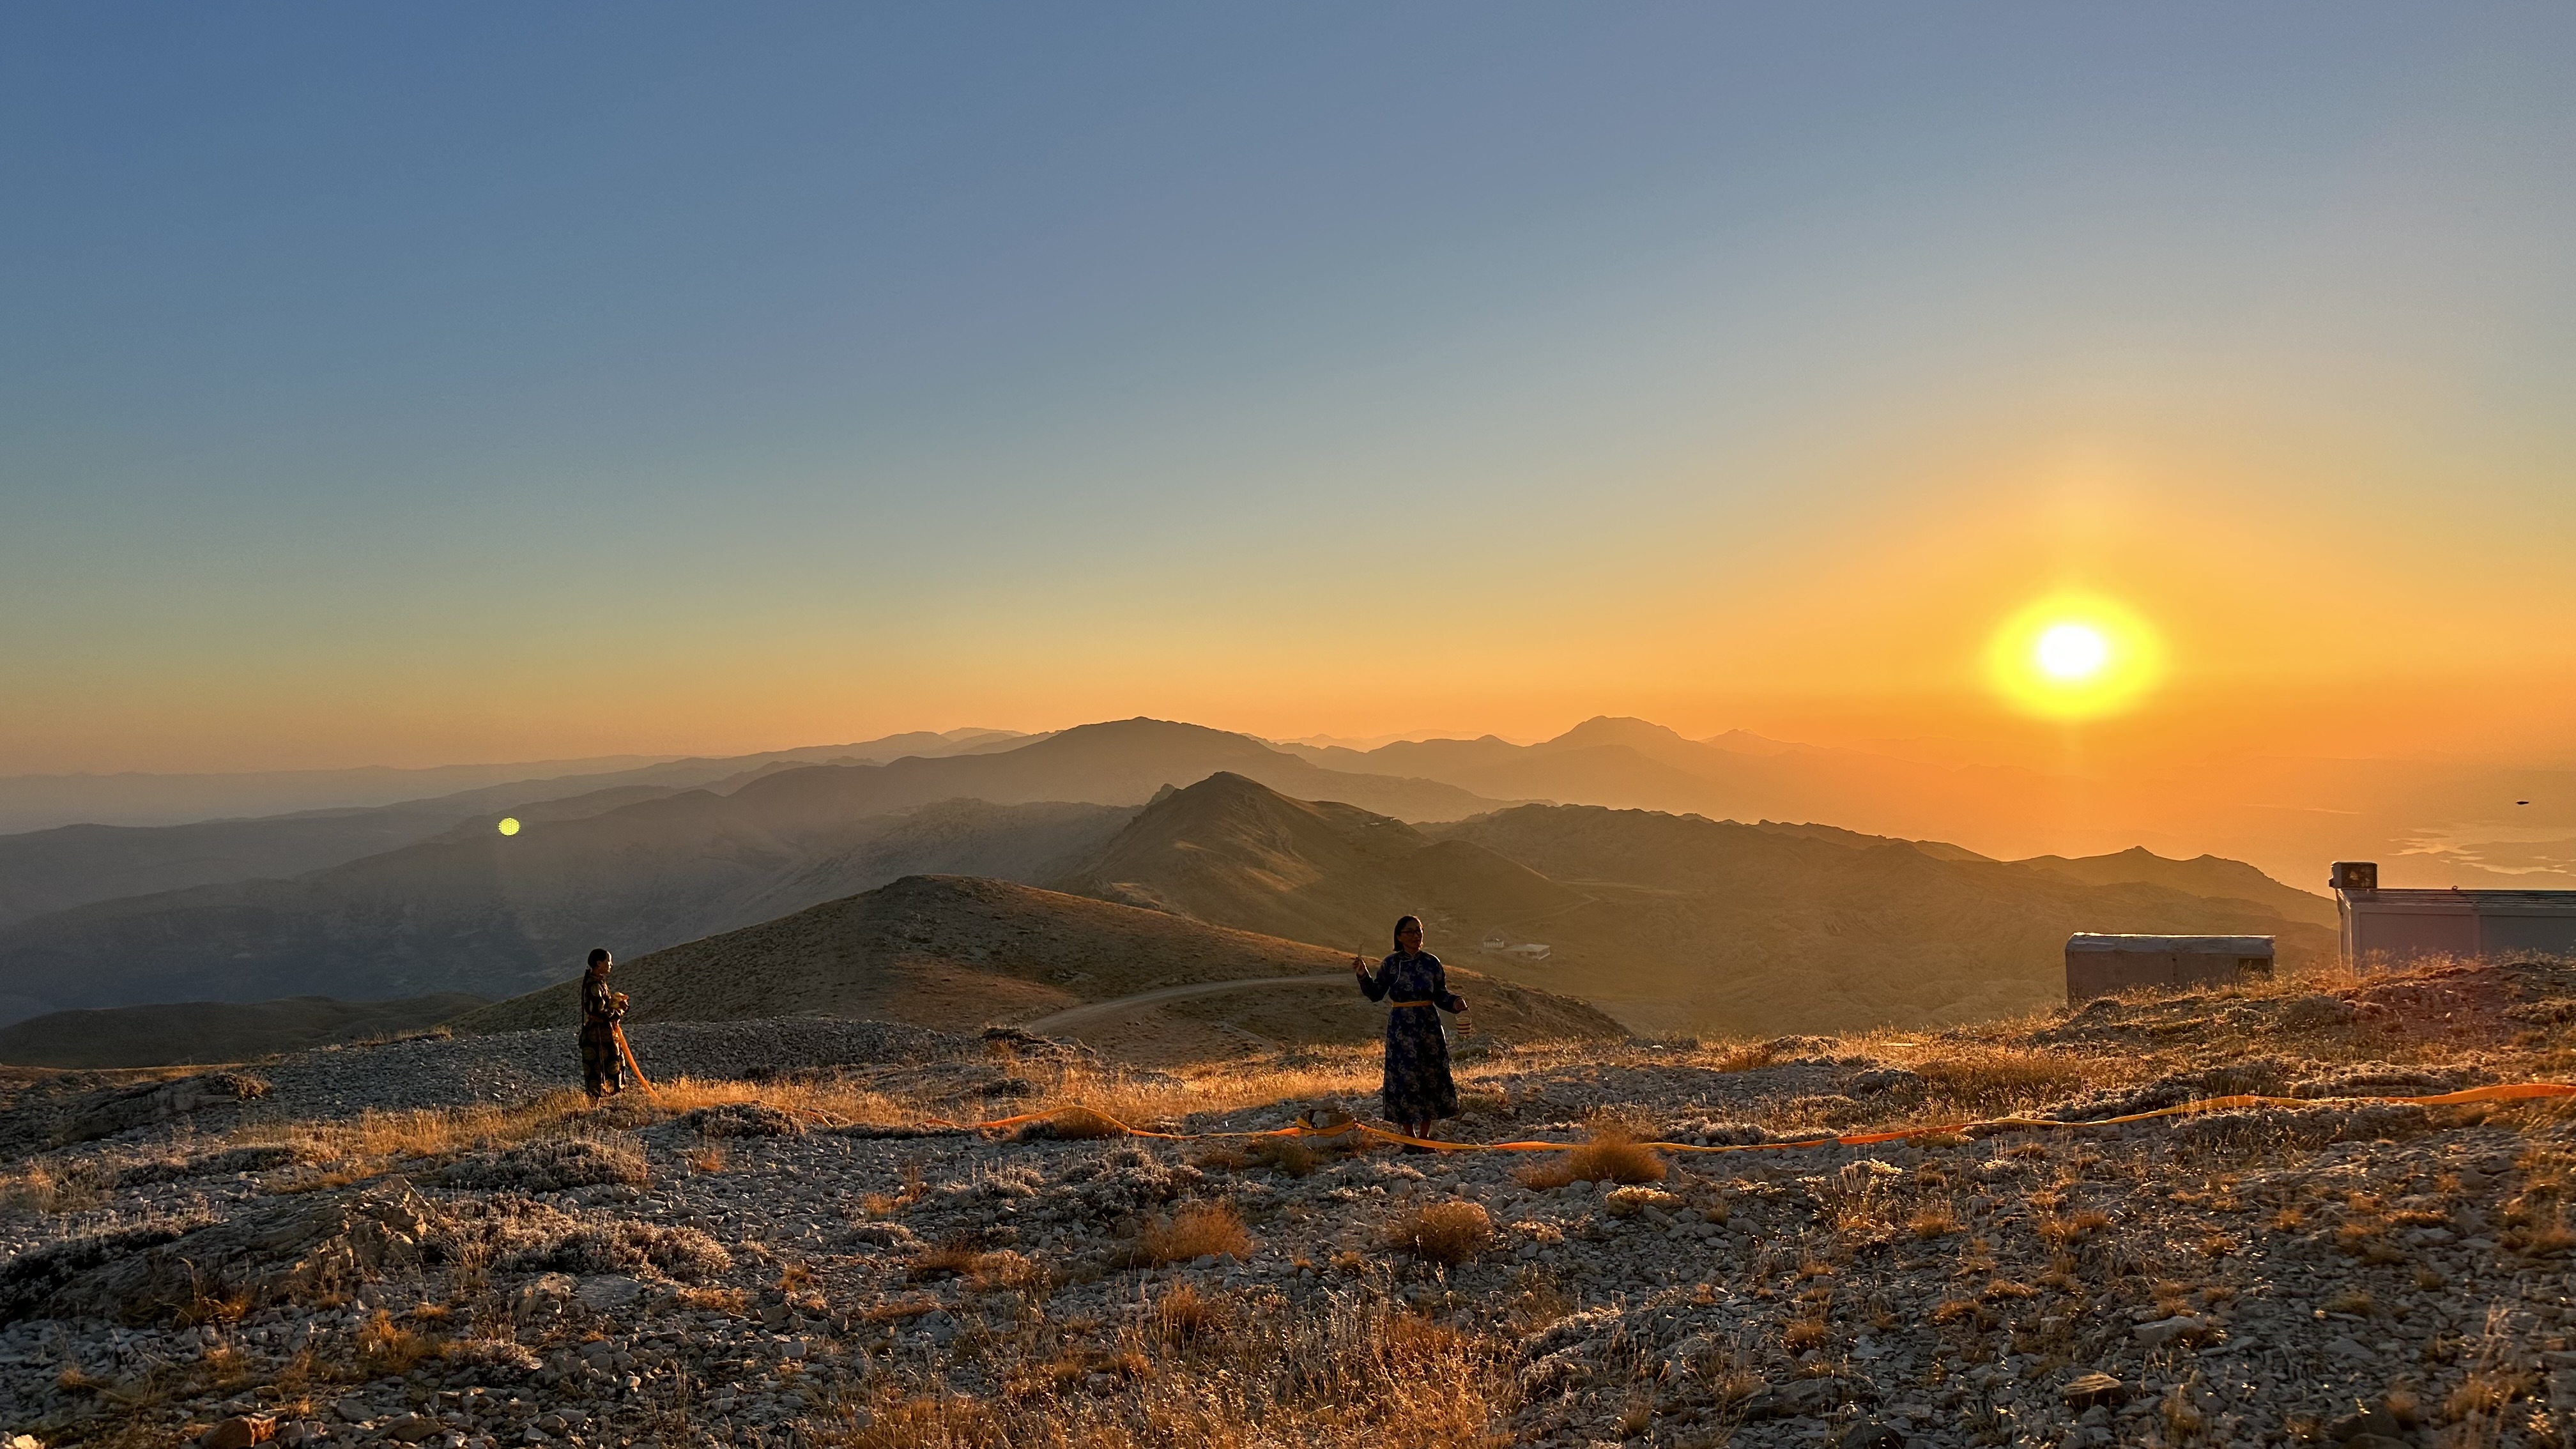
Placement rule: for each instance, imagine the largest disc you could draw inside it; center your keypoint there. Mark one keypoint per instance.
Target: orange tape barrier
(2509, 1092)
(628, 1053)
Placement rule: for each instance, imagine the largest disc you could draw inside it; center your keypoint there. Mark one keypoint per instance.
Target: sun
(2074, 656)
(2073, 651)
(509, 825)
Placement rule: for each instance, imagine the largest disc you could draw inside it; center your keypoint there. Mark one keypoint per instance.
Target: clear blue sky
(416, 383)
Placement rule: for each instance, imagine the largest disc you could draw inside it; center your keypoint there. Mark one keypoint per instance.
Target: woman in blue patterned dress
(1417, 1090)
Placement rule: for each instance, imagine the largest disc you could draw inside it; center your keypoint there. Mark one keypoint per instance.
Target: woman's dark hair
(1400, 923)
(598, 954)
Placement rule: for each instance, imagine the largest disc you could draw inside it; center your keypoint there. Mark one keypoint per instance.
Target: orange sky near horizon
(2287, 631)
(1301, 373)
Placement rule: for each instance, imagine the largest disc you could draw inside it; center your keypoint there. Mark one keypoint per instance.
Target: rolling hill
(465, 909)
(1673, 922)
(951, 951)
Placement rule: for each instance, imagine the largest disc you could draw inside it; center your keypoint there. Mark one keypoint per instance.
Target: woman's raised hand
(1359, 966)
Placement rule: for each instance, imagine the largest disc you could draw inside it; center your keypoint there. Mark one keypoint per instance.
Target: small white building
(2391, 927)
(1529, 951)
(1496, 942)
(2104, 965)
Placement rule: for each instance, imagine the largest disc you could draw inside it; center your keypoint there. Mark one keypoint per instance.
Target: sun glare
(2074, 657)
(2073, 651)
(509, 825)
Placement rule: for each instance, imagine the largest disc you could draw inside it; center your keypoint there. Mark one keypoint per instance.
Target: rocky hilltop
(808, 1241)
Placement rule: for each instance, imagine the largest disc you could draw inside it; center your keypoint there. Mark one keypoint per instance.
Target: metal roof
(2191, 945)
(2502, 899)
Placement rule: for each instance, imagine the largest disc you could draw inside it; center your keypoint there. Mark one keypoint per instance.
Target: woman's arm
(1374, 983)
(1449, 1000)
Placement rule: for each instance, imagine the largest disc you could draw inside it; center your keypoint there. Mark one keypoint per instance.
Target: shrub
(953, 1258)
(1447, 1233)
(743, 1119)
(1612, 1155)
(1195, 1231)
(1186, 1315)
(1615, 1156)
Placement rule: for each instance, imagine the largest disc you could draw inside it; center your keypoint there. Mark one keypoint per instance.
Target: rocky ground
(414, 1243)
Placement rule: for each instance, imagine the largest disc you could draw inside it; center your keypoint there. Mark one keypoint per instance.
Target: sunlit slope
(1233, 850)
(1733, 927)
(958, 952)
(1670, 922)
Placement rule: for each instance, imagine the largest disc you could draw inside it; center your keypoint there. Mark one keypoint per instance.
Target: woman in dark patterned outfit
(600, 1009)
(1417, 1090)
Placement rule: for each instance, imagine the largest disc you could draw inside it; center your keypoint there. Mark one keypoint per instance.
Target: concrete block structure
(2392, 927)
(2103, 965)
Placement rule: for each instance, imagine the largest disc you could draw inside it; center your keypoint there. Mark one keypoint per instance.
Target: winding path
(1091, 1011)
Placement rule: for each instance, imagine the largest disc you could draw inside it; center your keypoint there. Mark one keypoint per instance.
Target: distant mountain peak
(1608, 729)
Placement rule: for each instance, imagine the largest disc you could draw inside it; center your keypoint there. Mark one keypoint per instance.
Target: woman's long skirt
(1417, 1085)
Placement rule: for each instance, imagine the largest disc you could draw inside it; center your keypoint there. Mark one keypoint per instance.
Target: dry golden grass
(1743, 1057)
(1806, 1333)
(1612, 1154)
(1933, 1220)
(388, 1349)
(715, 1300)
(38, 1189)
(1996, 1080)
(708, 1157)
(958, 1257)
(1184, 1314)
(1005, 1269)
(2061, 1231)
(1342, 1376)
(1447, 1233)
(1196, 1231)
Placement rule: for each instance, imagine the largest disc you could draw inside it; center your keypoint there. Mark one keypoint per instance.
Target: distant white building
(1530, 951)
(1496, 942)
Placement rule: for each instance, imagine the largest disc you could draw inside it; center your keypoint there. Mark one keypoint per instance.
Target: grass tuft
(1196, 1231)
(1447, 1233)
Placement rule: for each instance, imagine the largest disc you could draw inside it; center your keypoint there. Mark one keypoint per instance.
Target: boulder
(239, 1432)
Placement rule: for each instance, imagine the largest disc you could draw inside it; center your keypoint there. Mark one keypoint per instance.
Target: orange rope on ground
(2506, 1092)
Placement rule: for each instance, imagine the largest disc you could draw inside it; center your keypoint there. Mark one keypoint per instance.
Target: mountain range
(62, 866)
(1678, 922)
(635, 865)
(2429, 821)
(40, 802)
(1672, 921)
